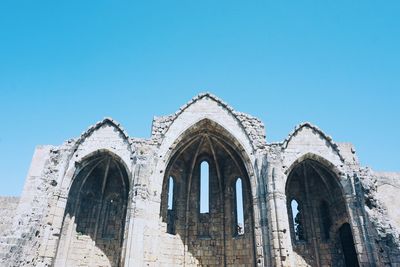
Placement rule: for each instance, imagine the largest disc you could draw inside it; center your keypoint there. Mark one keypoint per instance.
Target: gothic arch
(107, 135)
(210, 237)
(314, 182)
(167, 131)
(204, 126)
(86, 160)
(315, 157)
(94, 225)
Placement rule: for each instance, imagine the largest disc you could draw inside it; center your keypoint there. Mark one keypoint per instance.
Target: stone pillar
(279, 222)
(261, 224)
(142, 246)
(355, 206)
(134, 249)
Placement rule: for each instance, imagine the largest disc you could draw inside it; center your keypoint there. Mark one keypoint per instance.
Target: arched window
(326, 221)
(204, 187)
(297, 220)
(171, 206)
(239, 207)
(171, 193)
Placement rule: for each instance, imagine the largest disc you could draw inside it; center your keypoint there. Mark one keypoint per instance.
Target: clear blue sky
(65, 65)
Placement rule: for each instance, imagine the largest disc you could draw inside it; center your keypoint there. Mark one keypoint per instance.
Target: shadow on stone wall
(93, 227)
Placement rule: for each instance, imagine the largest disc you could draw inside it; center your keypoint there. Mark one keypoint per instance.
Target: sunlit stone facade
(108, 199)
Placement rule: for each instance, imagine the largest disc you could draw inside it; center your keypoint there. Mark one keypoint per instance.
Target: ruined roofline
(160, 126)
(283, 143)
(131, 140)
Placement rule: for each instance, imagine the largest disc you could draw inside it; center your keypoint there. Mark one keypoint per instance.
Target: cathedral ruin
(205, 189)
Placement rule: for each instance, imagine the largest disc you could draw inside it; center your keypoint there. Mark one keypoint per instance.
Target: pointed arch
(323, 162)
(209, 143)
(109, 136)
(314, 183)
(208, 127)
(76, 166)
(95, 216)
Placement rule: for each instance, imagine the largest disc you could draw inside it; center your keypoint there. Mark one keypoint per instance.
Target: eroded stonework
(107, 199)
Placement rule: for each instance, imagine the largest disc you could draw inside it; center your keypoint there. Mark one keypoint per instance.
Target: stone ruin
(205, 189)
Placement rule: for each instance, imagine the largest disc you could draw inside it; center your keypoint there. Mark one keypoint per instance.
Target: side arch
(77, 165)
(93, 230)
(315, 182)
(320, 159)
(108, 136)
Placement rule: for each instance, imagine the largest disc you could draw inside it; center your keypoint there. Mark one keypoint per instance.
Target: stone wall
(387, 192)
(8, 207)
(140, 231)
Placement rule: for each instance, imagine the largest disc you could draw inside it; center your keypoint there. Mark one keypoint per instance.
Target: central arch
(206, 220)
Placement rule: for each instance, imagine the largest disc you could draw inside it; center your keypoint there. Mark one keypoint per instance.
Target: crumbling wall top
(318, 131)
(253, 127)
(98, 125)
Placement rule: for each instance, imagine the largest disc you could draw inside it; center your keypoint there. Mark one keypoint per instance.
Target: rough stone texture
(8, 206)
(102, 199)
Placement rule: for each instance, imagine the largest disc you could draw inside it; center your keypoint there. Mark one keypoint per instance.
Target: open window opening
(239, 207)
(204, 187)
(297, 220)
(171, 208)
